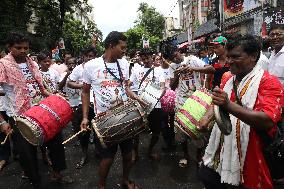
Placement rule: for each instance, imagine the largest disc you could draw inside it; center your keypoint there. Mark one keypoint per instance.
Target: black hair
(249, 44)
(113, 39)
(202, 49)
(16, 37)
(89, 49)
(145, 52)
(43, 55)
(276, 26)
(168, 51)
(67, 52)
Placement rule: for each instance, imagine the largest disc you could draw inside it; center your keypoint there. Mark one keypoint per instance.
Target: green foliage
(149, 24)
(77, 35)
(50, 22)
(150, 19)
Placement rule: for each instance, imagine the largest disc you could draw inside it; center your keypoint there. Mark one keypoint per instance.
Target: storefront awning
(206, 28)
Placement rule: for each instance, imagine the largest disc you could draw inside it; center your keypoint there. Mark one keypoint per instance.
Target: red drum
(168, 101)
(42, 122)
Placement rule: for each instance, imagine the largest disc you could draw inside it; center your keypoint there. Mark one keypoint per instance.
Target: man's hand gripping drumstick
(83, 129)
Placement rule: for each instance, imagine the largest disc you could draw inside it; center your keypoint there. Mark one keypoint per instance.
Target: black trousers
(155, 120)
(76, 122)
(168, 128)
(212, 180)
(28, 154)
(5, 150)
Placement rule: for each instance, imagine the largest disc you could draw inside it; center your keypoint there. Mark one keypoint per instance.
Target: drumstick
(2, 143)
(73, 136)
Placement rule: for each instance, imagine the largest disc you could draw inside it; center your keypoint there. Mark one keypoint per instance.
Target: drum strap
(119, 70)
(146, 74)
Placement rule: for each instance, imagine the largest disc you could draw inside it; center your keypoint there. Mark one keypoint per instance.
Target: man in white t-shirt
(276, 68)
(76, 83)
(185, 79)
(50, 76)
(22, 82)
(141, 78)
(168, 117)
(99, 74)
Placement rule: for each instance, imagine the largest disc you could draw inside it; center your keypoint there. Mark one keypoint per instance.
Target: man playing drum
(106, 75)
(22, 82)
(141, 78)
(185, 79)
(76, 82)
(253, 99)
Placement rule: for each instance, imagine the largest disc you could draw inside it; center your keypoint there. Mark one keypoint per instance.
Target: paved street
(164, 174)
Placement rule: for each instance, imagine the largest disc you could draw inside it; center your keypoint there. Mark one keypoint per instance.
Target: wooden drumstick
(7, 136)
(73, 136)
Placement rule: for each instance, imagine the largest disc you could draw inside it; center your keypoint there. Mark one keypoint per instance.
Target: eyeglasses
(276, 34)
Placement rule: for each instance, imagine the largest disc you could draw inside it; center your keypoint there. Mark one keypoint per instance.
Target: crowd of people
(243, 74)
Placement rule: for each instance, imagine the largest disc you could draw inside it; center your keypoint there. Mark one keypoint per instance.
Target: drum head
(29, 131)
(223, 120)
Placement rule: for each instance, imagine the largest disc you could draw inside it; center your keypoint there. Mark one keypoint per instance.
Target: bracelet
(2, 122)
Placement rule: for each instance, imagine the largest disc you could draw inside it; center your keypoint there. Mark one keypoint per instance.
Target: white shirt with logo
(74, 95)
(51, 79)
(9, 100)
(138, 74)
(167, 76)
(188, 83)
(108, 90)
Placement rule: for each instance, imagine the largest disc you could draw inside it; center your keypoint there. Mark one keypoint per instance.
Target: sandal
(81, 163)
(183, 163)
(24, 176)
(3, 164)
(129, 183)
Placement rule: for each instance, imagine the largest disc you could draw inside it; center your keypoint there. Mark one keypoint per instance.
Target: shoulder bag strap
(144, 77)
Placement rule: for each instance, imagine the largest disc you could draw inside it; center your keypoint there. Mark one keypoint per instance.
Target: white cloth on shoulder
(230, 166)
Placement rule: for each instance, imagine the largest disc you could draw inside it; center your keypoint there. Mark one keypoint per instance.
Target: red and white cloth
(246, 165)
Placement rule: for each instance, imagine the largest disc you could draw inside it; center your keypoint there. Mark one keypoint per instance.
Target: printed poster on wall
(236, 7)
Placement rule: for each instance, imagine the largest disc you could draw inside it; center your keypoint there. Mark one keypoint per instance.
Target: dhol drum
(42, 122)
(168, 101)
(188, 117)
(119, 124)
(198, 114)
(151, 95)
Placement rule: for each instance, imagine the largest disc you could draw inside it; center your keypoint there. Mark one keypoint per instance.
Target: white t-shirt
(51, 79)
(9, 100)
(33, 87)
(167, 76)
(77, 76)
(134, 86)
(263, 61)
(74, 95)
(136, 78)
(188, 83)
(108, 91)
(276, 65)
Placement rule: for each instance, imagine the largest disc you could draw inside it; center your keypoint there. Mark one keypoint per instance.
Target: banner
(61, 43)
(146, 43)
(236, 7)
